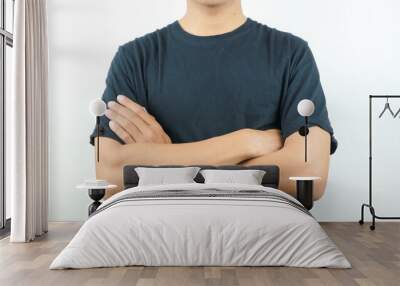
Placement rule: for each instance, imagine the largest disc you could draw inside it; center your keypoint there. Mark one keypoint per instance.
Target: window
(6, 44)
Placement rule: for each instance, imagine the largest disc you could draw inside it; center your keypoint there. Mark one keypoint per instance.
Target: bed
(201, 224)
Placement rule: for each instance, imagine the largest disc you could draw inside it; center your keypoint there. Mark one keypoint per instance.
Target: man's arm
(290, 160)
(231, 148)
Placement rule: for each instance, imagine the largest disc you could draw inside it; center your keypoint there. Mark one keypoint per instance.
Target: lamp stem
(98, 137)
(305, 140)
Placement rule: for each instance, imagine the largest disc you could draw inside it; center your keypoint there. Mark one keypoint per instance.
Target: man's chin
(212, 3)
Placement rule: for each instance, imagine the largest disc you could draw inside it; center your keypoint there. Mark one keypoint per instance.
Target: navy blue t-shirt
(199, 87)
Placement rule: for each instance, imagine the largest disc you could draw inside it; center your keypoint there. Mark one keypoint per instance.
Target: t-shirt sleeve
(304, 83)
(118, 82)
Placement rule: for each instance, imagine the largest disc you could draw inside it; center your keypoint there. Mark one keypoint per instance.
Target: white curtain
(28, 146)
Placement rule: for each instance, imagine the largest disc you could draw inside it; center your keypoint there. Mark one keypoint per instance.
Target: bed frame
(304, 185)
(270, 179)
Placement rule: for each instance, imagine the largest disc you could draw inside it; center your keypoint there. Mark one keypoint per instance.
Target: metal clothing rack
(370, 205)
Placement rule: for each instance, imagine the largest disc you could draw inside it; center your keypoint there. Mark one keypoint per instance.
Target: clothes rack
(370, 203)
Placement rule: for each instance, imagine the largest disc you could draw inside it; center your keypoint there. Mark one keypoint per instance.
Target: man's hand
(133, 124)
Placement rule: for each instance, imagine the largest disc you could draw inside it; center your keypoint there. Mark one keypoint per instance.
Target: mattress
(201, 225)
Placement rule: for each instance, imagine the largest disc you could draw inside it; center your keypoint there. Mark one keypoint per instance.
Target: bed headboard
(270, 179)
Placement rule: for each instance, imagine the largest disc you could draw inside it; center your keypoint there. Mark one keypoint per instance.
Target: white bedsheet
(200, 231)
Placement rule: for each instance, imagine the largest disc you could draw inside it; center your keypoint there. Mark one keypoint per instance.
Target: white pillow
(247, 177)
(162, 176)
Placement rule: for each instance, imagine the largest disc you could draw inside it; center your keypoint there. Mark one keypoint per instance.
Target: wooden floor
(375, 257)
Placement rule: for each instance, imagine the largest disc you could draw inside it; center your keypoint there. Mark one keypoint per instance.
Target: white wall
(356, 44)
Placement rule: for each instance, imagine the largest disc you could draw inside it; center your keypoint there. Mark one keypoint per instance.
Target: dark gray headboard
(271, 177)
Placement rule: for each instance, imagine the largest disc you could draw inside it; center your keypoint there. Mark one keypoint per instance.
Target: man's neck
(209, 20)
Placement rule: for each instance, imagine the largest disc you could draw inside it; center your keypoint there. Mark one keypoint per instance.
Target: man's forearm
(290, 160)
(227, 149)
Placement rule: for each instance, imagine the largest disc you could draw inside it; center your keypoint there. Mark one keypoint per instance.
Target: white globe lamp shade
(97, 107)
(306, 107)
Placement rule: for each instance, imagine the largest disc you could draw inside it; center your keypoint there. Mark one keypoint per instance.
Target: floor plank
(375, 257)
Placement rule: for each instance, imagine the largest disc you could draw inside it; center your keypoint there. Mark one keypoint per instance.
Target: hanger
(397, 113)
(387, 107)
